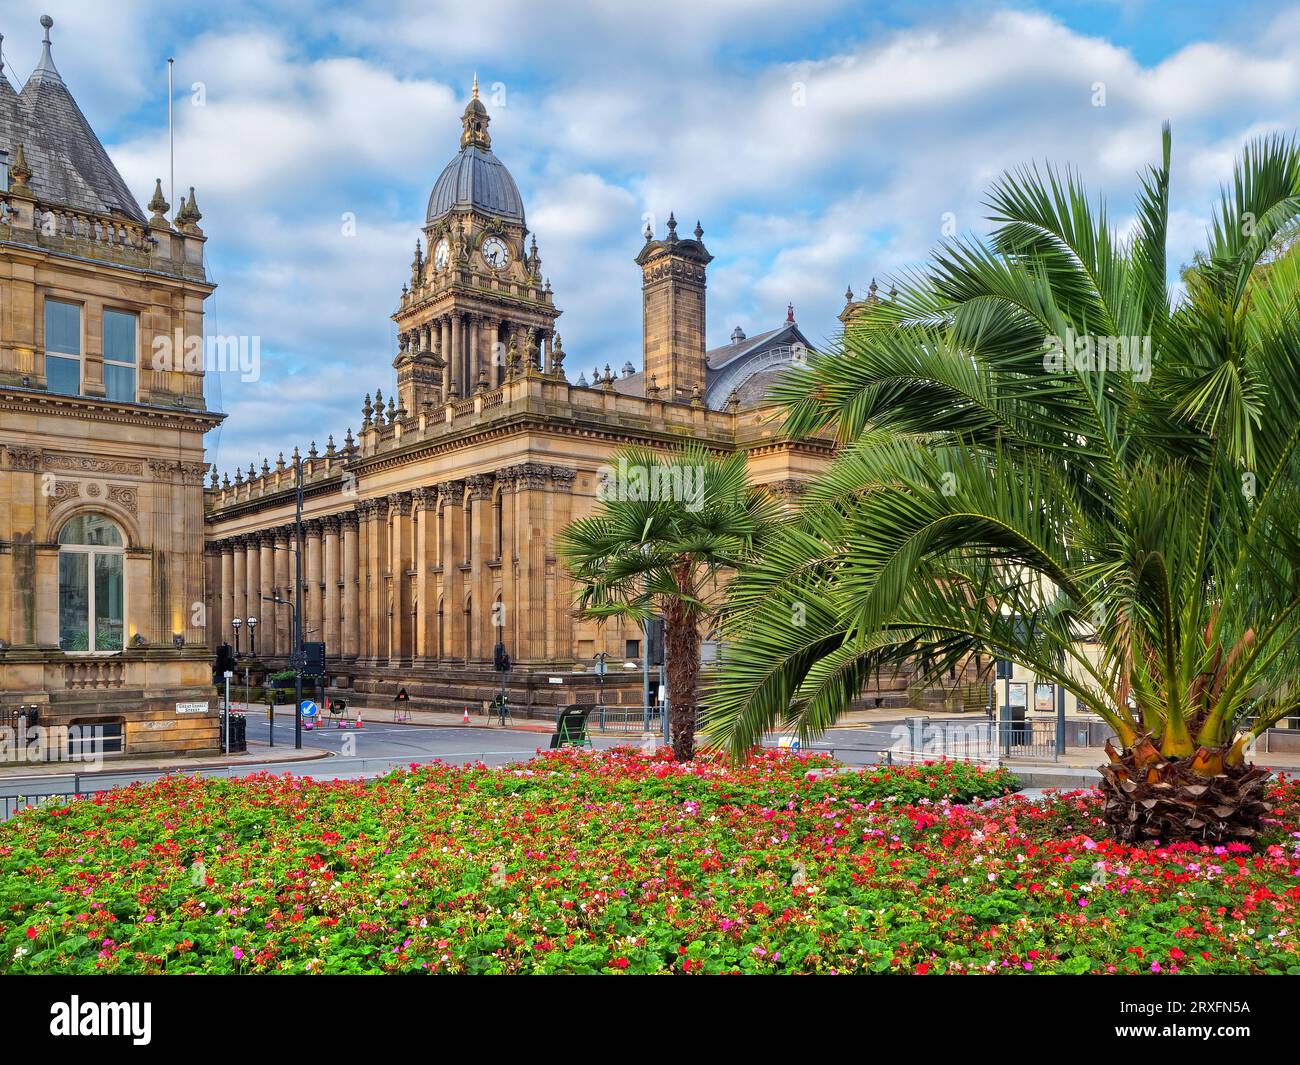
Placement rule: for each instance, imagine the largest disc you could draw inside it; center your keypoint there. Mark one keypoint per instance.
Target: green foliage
(994, 496)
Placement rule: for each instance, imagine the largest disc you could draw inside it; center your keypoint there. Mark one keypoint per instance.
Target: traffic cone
(358, 724)
(465, 719)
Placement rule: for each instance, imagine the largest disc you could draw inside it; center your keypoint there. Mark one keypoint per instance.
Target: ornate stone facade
(131, 453)
(431, 537)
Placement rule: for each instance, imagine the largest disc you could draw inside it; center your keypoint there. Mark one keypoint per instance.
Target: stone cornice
(90, 408)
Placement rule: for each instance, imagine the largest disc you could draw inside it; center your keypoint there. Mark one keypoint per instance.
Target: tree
(1048, 458)
(666, 532)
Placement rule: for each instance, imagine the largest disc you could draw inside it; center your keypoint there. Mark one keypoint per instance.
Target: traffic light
(500, 660)
(1003, 669)
(313, 659)
(655, 644)
(225, 662)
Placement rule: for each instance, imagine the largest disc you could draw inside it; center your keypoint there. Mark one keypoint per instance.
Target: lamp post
(235, 624)
(298, 669)
(252, 637)
(600, 672)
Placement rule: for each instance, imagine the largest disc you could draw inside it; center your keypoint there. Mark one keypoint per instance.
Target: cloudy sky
(820, 143)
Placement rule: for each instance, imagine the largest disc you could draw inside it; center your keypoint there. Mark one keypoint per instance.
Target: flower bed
(582, 862)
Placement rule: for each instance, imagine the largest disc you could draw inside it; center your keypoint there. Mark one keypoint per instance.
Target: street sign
(308, 708)
(401, 697)
(788, 743)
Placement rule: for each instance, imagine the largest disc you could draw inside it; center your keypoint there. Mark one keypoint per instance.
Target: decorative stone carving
(124, 495)
(93, 464)
(787, 489)
(63, 491)
(23, 458)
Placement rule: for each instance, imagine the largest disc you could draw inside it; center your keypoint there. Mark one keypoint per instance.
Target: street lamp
(252, 637)
(601, 668)
(235, 623)
(297, 662)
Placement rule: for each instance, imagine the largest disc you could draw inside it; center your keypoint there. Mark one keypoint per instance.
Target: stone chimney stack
(672, 301)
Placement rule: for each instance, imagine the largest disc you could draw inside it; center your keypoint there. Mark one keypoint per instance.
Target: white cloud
(612, 110)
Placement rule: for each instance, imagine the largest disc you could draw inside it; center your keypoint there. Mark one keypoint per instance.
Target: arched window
(92, 607)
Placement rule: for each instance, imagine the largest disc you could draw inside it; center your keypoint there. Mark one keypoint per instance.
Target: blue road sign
(308, 708)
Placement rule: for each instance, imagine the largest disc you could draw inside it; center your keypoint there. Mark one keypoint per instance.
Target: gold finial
(476, 85)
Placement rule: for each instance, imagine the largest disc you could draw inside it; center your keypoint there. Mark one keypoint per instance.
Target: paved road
(380, 747)
(371, 751)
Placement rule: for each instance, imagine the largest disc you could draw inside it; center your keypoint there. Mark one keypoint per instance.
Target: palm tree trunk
(682, 637)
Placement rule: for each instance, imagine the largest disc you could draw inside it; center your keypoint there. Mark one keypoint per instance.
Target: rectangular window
(633, 649)
(74, 601)
(108, 603)
(120, 356)
(4, 171)
(63, 347)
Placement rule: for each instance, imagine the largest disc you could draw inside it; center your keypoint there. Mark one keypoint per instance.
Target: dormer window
(4, 170)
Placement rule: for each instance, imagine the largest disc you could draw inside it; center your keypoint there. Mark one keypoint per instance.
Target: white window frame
(97, 549)
(80, 356)
(134, 367)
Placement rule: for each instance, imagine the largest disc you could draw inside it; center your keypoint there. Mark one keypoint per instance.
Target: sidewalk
(257, 754)
(388, 716)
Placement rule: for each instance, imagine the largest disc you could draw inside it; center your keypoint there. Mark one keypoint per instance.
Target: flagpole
(171, 135)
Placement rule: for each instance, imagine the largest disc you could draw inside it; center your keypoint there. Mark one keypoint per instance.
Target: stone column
(222, 633)
(212, 604)
(560, 591)
(458, 374)
(473, 325)
(401, 635)
(530, 592)
(376, 565)
(445, 351)
(332, 578)
(238, 594)
(253, 602)
(510, 631)
(484, 634)
(313, 626)
(364, 641)
(453, 555)
(275, 622)
(425, 561)
(496, 358)
(350, 621)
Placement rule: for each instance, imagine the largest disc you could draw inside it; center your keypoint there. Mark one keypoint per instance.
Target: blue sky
(820, 144)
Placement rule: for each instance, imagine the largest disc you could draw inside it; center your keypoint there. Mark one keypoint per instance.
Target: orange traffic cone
(358, 724)
(465, 719)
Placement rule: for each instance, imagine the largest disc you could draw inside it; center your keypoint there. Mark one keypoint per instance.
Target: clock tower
(476, 310)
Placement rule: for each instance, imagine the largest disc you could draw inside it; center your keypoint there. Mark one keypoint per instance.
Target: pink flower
(239, 954)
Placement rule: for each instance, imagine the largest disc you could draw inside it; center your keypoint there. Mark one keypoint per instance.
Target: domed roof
(476, 179)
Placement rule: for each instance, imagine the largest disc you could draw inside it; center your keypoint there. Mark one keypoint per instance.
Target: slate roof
(476, 179)
(69, 165)
(753, 390)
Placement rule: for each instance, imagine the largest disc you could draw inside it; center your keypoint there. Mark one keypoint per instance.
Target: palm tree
(1128, 531)
(666, 533)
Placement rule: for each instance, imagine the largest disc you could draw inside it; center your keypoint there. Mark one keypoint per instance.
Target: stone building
(101, 451)
(430, 536)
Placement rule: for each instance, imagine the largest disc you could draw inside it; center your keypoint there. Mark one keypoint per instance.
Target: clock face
(495, 253)
(441, 254)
